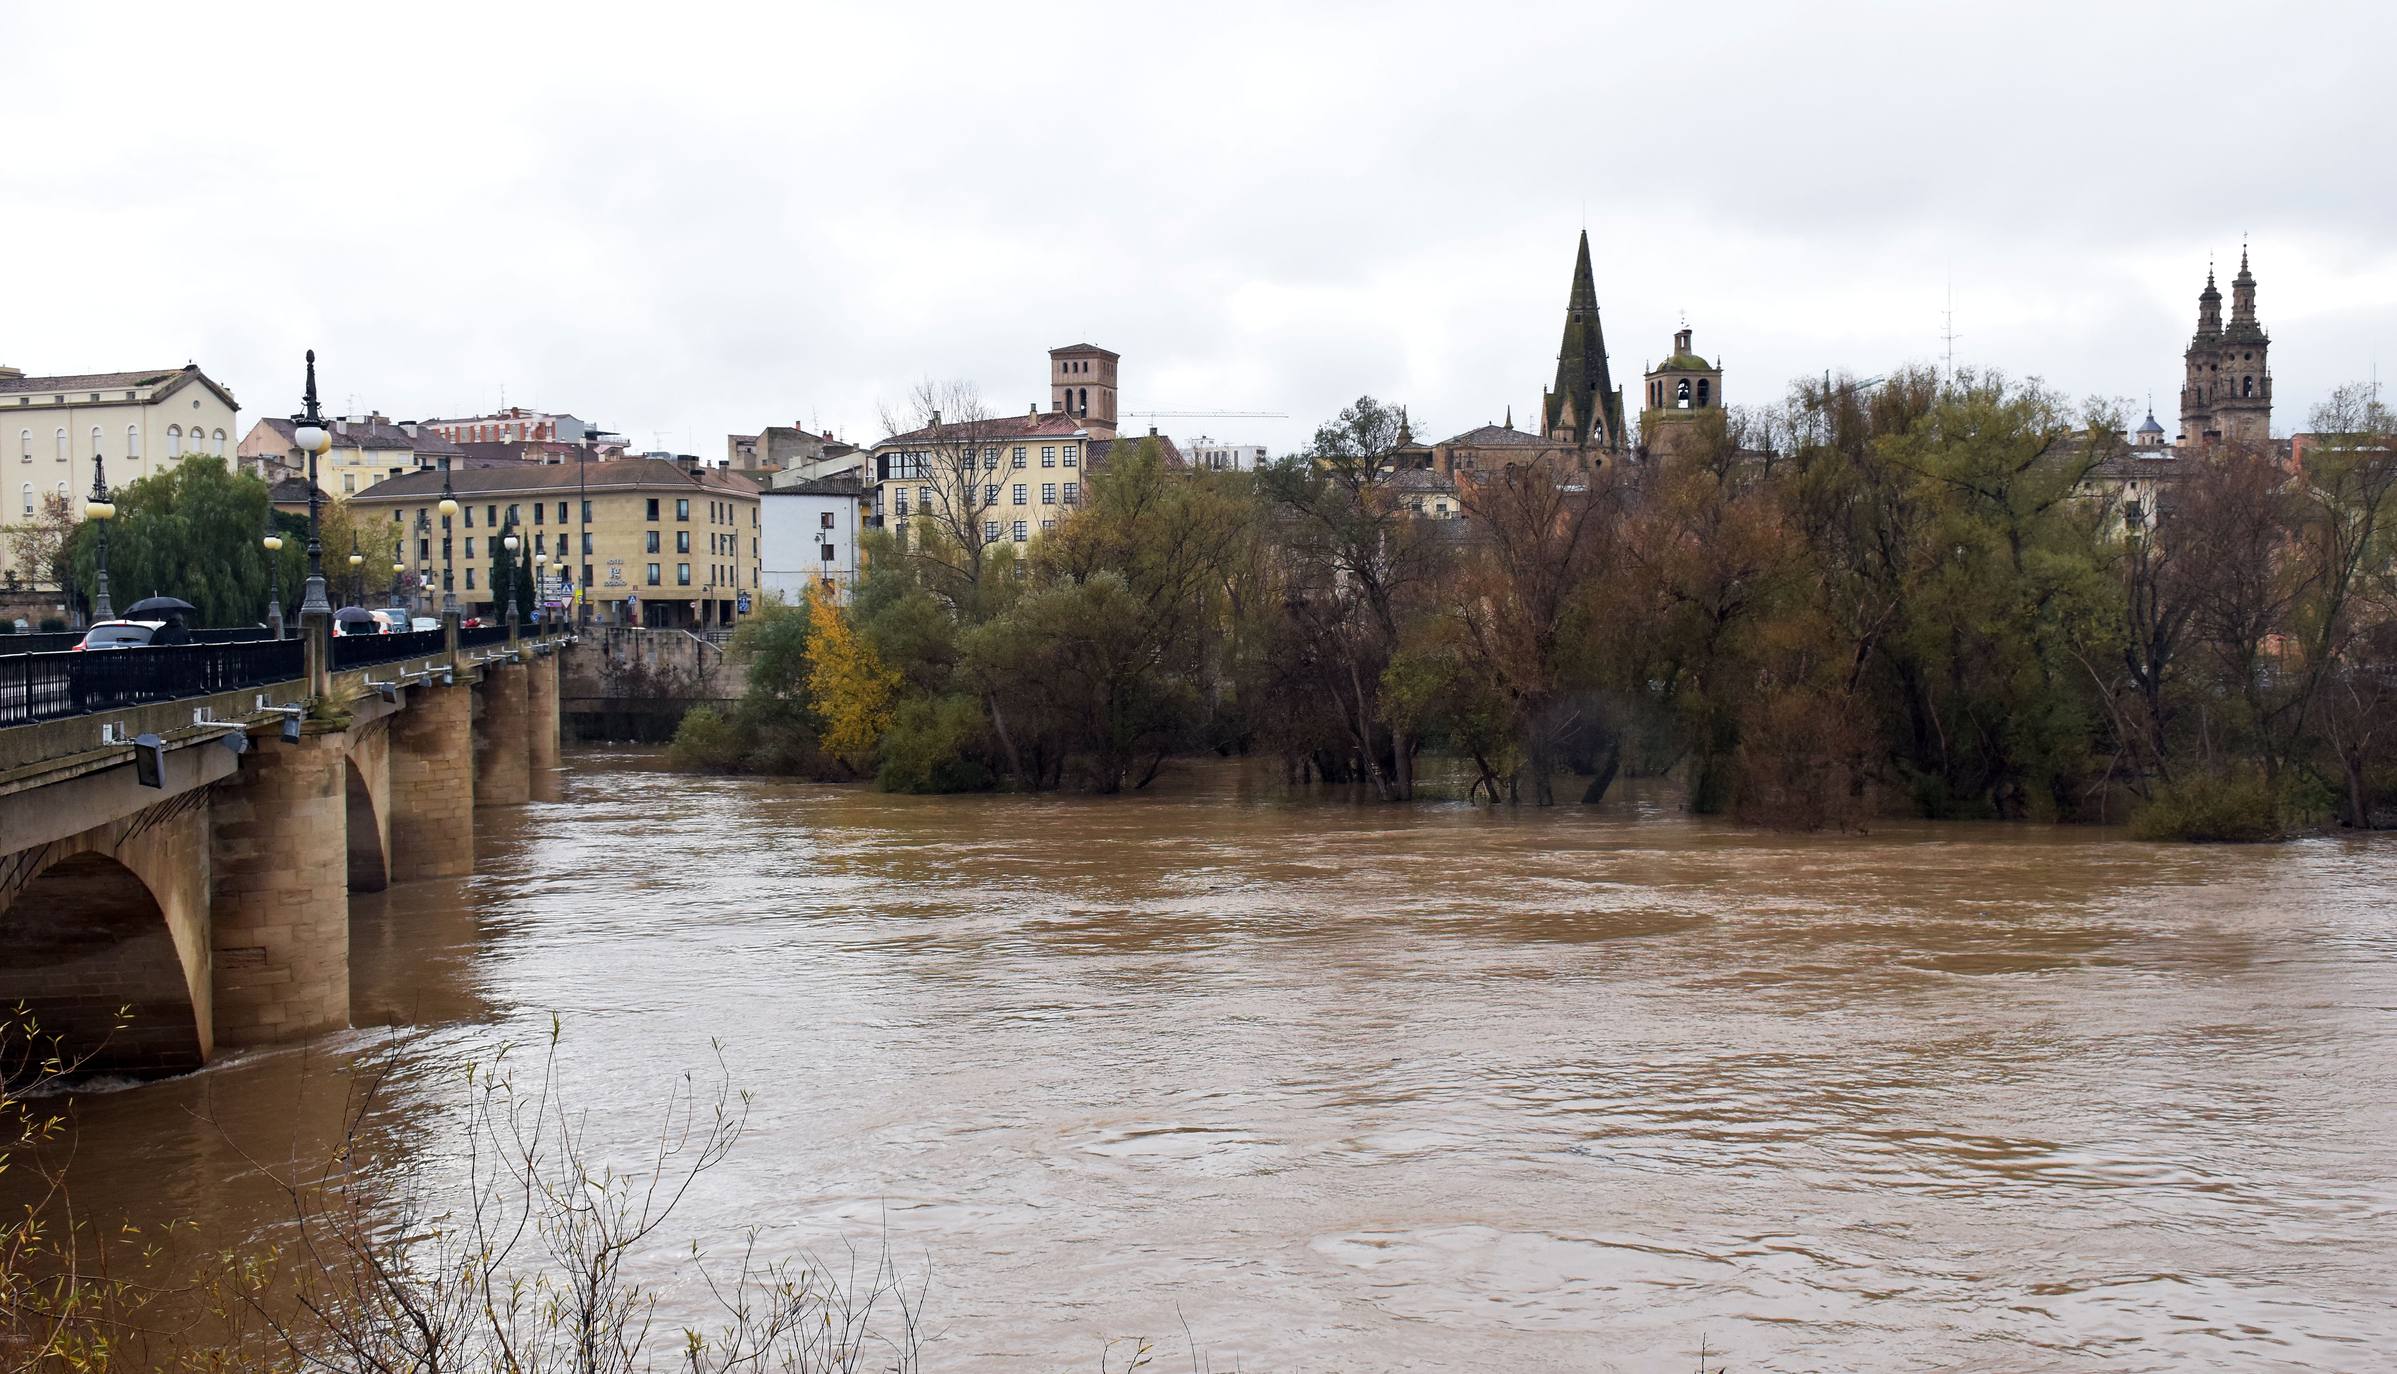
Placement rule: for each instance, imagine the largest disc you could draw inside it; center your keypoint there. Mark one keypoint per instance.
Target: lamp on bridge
(398, 597)
(513, 544)
(309, 436)
(100, 510)
(272, 542)
(540, 581)
(449, 513)
(357, 578)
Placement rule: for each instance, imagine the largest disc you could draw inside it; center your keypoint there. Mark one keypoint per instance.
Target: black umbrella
(353, 615)
(159, 605)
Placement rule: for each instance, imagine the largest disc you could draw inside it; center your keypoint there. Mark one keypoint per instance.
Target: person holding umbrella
(173, 608)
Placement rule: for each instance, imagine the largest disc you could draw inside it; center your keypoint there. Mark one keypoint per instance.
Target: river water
(1342, 1087)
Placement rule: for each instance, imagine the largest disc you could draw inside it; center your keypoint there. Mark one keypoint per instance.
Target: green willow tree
(194, 531)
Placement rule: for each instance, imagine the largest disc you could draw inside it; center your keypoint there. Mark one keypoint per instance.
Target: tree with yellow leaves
(851, 686)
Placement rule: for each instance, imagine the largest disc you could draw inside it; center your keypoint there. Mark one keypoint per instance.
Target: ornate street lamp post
(399, 601)
(449, 514)
(101, 510)
(308, 432)
(272, 543)
(357, 578)
(512, 544)
(540, 583)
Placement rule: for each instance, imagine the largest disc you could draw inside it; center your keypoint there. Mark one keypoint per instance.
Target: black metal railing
(482, 636)
(48, 686)
(352, 651)
(40, 643)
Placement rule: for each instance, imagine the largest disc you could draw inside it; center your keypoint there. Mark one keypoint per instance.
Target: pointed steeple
(1583, 408)
(1510, 415)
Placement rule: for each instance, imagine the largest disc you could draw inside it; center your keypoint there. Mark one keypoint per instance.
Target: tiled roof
(1101, 449)
(1086, 348)
(1497, 436)
(1421, 479)
(88, 381)
(511, 479)
(1048, 424)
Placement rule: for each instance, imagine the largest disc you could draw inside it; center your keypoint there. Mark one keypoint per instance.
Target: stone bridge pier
(145, 928)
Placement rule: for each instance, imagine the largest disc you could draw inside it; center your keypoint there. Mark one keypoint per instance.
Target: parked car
(425, 622)
(119, 634)
(395, 621)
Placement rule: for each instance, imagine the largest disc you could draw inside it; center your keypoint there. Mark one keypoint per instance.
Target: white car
(395, 621)
(120, 634)
(425, 622)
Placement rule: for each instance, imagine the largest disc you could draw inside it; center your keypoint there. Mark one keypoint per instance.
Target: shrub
(2232, 809)
(52, 625)
(705, 739)
(935, 746)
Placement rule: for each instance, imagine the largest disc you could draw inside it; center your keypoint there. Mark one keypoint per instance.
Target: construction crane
(1206, 415)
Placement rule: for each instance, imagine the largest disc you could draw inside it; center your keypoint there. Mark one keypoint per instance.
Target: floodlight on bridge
(149, 761)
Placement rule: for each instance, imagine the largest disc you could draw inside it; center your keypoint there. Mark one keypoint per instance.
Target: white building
(1217, 456)
(141, 422)
(807, 537)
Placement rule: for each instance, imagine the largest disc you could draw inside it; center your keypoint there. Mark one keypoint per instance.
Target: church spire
(1583, 408)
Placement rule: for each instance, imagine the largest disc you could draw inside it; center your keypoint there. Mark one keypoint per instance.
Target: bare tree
(945, 448)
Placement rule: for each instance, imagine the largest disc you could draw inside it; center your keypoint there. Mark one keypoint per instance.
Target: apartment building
(644, 541)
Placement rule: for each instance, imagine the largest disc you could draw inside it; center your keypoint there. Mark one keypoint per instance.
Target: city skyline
(619, 232)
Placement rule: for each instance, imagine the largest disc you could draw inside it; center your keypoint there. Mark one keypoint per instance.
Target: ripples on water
(1363, 1088)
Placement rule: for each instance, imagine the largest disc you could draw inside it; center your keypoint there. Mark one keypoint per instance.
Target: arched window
(1681, 394)
(218, 438)
(95, 441)
(133, 441)
(62, 443)
(62, 491)
(1702, 389)
(25, 445)
(2247, 386)
(174, 441)
(1086, 400)
(29, 498)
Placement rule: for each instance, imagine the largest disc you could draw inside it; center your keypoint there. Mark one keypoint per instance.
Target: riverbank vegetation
(1926, 595)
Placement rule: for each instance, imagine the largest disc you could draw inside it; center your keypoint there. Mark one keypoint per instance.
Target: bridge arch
(115, 975)
(366, 785)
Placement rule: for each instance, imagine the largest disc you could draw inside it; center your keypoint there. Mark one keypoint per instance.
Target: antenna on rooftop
(1948, 333)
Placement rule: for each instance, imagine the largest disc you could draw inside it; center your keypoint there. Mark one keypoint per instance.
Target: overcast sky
(684, 220)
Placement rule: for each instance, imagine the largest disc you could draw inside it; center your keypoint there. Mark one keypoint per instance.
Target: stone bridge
(175, 874)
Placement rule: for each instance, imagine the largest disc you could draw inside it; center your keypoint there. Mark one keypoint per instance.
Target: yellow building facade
(644, 540)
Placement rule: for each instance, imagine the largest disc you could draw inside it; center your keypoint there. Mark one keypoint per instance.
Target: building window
(682, 574)
(25, 444)
(1019, 455)
(29, 498)
(1073, 493)
(218, 437)
(1048, 456)
(561, 512)
(586, 512)
(349, 483)
(491, 516)
(990, 529)
(1048, 493)
(1084, 407)
(652, 546)
(1021, 533)
(1070, 450)
(539, 513)
(682, 507)
(1702, 393)
(1681, 394)
(990, 494)
(133, 441)
(654, 579)
(586, 544)
(653, 508)
(923, 497)
(682, 541)
(1044, 455)
(899, 503)
(470, 546)
(1019, 493)
(824, 521)
(1047, 525)
(470, 579)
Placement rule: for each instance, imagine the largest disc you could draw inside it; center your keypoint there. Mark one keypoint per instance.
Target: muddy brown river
(1345, 1087)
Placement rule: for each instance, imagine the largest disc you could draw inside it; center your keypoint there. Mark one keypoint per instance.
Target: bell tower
(1082, 384)
(2243, 404)
(2204, 371)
